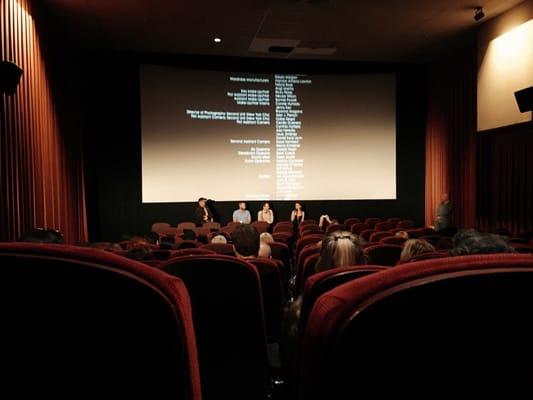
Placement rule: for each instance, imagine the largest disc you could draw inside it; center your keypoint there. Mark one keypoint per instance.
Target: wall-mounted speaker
(10, 74)
(524, 98)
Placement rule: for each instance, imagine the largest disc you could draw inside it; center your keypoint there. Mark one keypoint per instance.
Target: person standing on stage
(203, 213)
(297, 215)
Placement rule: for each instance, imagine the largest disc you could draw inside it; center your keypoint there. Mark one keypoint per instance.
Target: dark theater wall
(41, 166)
(113, 144)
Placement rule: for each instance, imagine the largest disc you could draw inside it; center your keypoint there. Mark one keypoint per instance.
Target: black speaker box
(524, 98)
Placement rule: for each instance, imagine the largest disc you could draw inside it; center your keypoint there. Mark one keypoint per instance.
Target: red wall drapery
(450, 137)
(41, 168)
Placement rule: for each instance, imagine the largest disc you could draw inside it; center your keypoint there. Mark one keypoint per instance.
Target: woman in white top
(265, 214)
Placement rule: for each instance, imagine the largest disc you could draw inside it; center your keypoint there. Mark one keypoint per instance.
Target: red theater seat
(211, 226)
(322, 282)
(261, 226)
(459, 324)
(384, 226)
(160, 227)
(308, 269)
(358, 227)
(367, 233)
(190, 252)
(393, 240)
(394, 220)
(405, 224)
(383, 254)
(377, 236)
(80, 322)
(351, 221)
(335, 227)
(273, 299)
(220, 248)
(228, 318)
(371, 222)
(186, 225)
(283, 226)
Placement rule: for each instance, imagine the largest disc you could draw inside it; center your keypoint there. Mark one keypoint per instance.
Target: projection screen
(236, 136)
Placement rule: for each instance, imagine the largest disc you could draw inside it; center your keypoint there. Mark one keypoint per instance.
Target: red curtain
(41, 165)
(505, 179)
(450, 136)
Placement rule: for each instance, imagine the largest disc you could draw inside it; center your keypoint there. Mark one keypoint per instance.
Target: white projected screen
(242, 136)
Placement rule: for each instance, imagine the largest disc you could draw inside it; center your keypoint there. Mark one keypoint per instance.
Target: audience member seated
(245, 241)
(266, 214)
(324, 221)
(338, 249)
(219, 239)
(242, 215)
(471, 241)
(41, 235)
(415, 247)
(189, 234)
(402, 234)
(264, 250)
(266, 237)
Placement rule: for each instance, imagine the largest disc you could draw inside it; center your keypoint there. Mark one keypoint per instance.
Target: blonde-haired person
(415, 247)
(340, 249)
(266, 237)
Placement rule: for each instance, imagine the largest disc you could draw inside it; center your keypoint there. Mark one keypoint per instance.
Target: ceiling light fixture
(478, 13)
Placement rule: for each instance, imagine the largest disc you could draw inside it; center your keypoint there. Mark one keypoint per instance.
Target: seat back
(261, 226)
(186, 225)
(348, 222)
(308, 269)
(228, 319)
(393, 240)
(322, 282)
(383, 254)
(461, 324)
(83, 320)
(211, 226)
(160, 227)
(372, 221)
(273, 298)
(358, 227)
(220, 248)
(335, 227)
(384, 226)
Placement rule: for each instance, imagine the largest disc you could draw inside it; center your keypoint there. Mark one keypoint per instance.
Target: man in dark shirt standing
(203, 213)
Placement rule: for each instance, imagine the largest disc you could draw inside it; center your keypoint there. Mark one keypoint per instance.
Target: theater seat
(446, 326)
(350, 221)
(335, 227)
(324, 281)
(273, 298)
(393, 240)
(228, 318)
(160, 227)
(79, 322)
(220, 248)
(383, 254)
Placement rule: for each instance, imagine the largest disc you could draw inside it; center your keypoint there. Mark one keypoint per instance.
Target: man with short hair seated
(242, 215)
